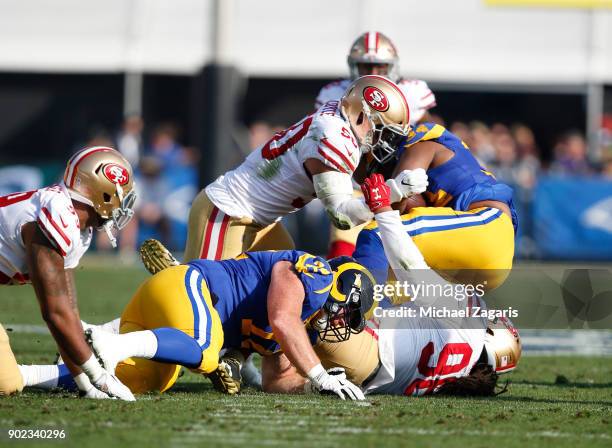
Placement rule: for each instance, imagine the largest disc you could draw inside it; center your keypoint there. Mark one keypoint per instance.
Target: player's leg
(272, 237)
(170, 320)
(11, 380)
(474, 247)
(212, 234)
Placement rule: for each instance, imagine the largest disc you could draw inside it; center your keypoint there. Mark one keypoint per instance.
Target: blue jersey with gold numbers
(461, 180)
(239, 290)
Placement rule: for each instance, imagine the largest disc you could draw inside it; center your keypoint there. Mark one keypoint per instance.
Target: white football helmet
(373, 47)
(502, 345)
(101, 177)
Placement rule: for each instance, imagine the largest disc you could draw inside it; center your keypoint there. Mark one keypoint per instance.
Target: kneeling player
(264, 302)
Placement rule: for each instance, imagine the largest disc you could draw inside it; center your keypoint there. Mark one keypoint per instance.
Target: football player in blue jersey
(276, 303)
(467, 224)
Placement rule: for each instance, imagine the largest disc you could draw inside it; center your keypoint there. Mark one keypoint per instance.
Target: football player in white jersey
(314, 158)
(373, 53)
(43, 235)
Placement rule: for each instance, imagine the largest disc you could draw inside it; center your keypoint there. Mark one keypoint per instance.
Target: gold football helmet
(350, 301)
(101, 177)
(383, 105)
(373, 47)
(502, 345)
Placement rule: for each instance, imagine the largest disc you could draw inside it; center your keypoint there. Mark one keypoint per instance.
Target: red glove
(376, 192)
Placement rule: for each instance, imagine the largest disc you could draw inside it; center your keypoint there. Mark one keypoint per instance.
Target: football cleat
(156, 257)
(103, 344)
(226, 378)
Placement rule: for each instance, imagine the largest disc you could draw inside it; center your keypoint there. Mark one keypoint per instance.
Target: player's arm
(285, 300)
(280, 376)
(335, 190)
(410, 174)
(286, 296)
(404, 256)
(56, 296)
(54, 290)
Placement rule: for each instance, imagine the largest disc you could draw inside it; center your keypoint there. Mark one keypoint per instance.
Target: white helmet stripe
(76, 159)
(371, 42)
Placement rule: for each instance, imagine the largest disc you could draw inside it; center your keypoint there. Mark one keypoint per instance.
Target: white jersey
(418, 95)
(51, 208)
(418, 354)
(272, 182)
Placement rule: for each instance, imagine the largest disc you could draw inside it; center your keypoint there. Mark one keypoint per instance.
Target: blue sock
(176, 347)
(65, 380)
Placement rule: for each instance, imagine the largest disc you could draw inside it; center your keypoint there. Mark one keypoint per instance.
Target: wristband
(92, 368)
(316, 373)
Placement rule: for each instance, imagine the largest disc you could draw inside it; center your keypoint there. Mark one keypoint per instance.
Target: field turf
(560, 401)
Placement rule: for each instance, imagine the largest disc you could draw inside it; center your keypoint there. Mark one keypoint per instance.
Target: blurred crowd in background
(167, 176)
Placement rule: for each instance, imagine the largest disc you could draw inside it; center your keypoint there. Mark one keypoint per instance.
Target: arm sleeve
(335, 190)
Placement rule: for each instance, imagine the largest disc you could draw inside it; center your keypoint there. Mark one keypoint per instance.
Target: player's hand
(376, 192)
(408, 183)
(87, 390)
(110, 385)
(104, 381)
(334, 382)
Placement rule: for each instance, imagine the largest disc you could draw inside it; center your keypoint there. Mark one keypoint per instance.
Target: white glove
(105, 382)
(87, 390)
(408, 183)
(333, 382)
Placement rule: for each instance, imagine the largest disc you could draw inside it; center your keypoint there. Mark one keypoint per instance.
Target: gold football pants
(177, 297)
(213, 235)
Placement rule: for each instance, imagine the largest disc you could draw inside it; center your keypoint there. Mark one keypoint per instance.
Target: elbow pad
(335, 191)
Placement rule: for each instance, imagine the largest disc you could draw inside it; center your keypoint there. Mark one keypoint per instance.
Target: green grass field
(560, 401)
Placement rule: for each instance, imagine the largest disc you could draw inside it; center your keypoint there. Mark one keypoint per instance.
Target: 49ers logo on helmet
(116, 174)
(375, 98)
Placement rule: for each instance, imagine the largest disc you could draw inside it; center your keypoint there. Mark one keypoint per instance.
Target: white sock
(138, 344)
(45, 377)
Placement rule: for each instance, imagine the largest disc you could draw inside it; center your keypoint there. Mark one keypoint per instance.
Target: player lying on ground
(43, 235)
(469, 223)
(373, 53)
(413, 353)
(273, 303)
